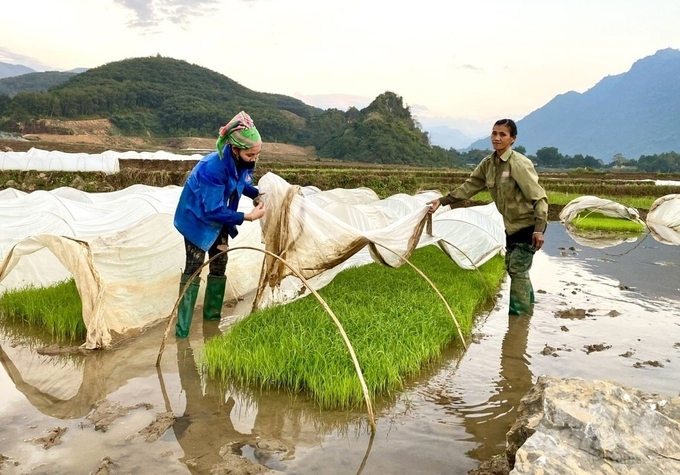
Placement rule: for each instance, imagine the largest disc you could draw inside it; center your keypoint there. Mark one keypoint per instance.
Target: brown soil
(96, 136)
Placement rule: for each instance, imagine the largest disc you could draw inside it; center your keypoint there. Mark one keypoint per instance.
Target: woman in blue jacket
(207, 213)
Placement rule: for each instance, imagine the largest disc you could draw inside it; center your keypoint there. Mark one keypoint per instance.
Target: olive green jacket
(512, 182)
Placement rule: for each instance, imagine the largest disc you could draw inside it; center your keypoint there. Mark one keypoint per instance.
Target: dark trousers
(195, 257)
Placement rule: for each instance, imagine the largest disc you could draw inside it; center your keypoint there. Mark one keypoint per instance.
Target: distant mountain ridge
(448, 137)
(634, 113)
(8, 70)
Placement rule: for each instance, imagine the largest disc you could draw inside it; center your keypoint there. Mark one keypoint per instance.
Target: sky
(456, 64)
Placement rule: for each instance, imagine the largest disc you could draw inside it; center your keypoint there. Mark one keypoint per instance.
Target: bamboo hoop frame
(323, 303)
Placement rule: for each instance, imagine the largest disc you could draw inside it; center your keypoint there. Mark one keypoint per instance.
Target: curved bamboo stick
(481, 276)
(488, 290)
(174, 308)
(323, 303)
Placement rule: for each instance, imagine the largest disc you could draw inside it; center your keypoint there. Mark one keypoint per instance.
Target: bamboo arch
(355, 361)
(323, 303)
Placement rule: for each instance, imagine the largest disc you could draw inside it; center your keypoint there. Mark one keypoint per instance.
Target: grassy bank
(393, 318)
(57, 309)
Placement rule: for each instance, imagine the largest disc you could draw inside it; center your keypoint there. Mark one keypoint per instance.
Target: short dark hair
(511, 125)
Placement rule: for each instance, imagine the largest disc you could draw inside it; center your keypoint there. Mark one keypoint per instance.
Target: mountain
(164, 97)
(447, 137)
(8, 70)
(33, 82)
(634, 113)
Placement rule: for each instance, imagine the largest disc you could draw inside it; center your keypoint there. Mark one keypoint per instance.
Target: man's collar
(506, 155)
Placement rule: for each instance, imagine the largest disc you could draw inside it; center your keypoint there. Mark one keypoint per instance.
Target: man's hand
(434, 204)
(537, 240)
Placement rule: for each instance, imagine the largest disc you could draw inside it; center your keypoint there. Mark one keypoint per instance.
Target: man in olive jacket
(513, 184)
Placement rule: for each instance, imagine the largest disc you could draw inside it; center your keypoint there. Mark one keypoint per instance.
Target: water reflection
(205, 426)
(457, 412)
(67, 386)
(264, 426)
(488, 422)
(601, 239)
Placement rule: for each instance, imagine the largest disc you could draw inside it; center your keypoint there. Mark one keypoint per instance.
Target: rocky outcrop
(571, 427)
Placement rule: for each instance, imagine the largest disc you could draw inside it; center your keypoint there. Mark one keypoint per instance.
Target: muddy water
(607, 313)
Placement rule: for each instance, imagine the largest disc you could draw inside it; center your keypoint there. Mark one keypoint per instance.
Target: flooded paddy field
(609, 313)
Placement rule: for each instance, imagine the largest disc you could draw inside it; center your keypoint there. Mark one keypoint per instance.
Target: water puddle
(601, 313)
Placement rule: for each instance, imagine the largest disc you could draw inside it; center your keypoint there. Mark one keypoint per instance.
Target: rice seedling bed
(57, 309)
(592, 220)
(393, 318)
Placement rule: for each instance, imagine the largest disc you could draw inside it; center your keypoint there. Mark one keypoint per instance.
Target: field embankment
(295, 164)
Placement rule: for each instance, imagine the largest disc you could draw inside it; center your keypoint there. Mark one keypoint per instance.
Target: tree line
(550, 157)
(166, 97)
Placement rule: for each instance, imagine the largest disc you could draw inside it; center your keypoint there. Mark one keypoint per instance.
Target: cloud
(7, 56)
(472, 67)
(417, 109)
(150, 14)
(470, 127)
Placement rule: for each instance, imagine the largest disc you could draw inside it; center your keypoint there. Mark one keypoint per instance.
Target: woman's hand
(257, 212)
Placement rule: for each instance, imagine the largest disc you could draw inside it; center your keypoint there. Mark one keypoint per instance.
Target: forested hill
(35, 82)
(162, 96)
(166, 97)
(630, 114)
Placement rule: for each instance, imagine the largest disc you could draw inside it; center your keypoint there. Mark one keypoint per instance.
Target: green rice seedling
(57, 309)
(639, 202)
(393, 318)
(592, 220)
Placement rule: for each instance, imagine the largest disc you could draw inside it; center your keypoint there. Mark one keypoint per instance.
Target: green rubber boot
(185, 311)
(214, 297)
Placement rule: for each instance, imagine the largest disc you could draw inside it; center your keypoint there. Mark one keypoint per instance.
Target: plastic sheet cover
(126, 257)
(107, 162)
(663, 219)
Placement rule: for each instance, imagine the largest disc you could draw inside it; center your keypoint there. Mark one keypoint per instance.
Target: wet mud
(601, 313)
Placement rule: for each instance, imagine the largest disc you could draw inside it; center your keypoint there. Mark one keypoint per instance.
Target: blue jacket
(210, 197)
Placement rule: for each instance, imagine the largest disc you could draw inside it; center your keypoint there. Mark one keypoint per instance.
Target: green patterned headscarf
(239, 132)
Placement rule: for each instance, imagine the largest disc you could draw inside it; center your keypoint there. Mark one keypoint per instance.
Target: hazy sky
(456, 63)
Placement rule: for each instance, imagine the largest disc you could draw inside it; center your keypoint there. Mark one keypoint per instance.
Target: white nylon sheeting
(603, 206)
(74, 213)
(158, 155)
(74, 194)
(663, 219)
(43, 160)
(320, 238)
(126, 257)
(127, 280)
(107, 162)
(470, 236)
(121, 248)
